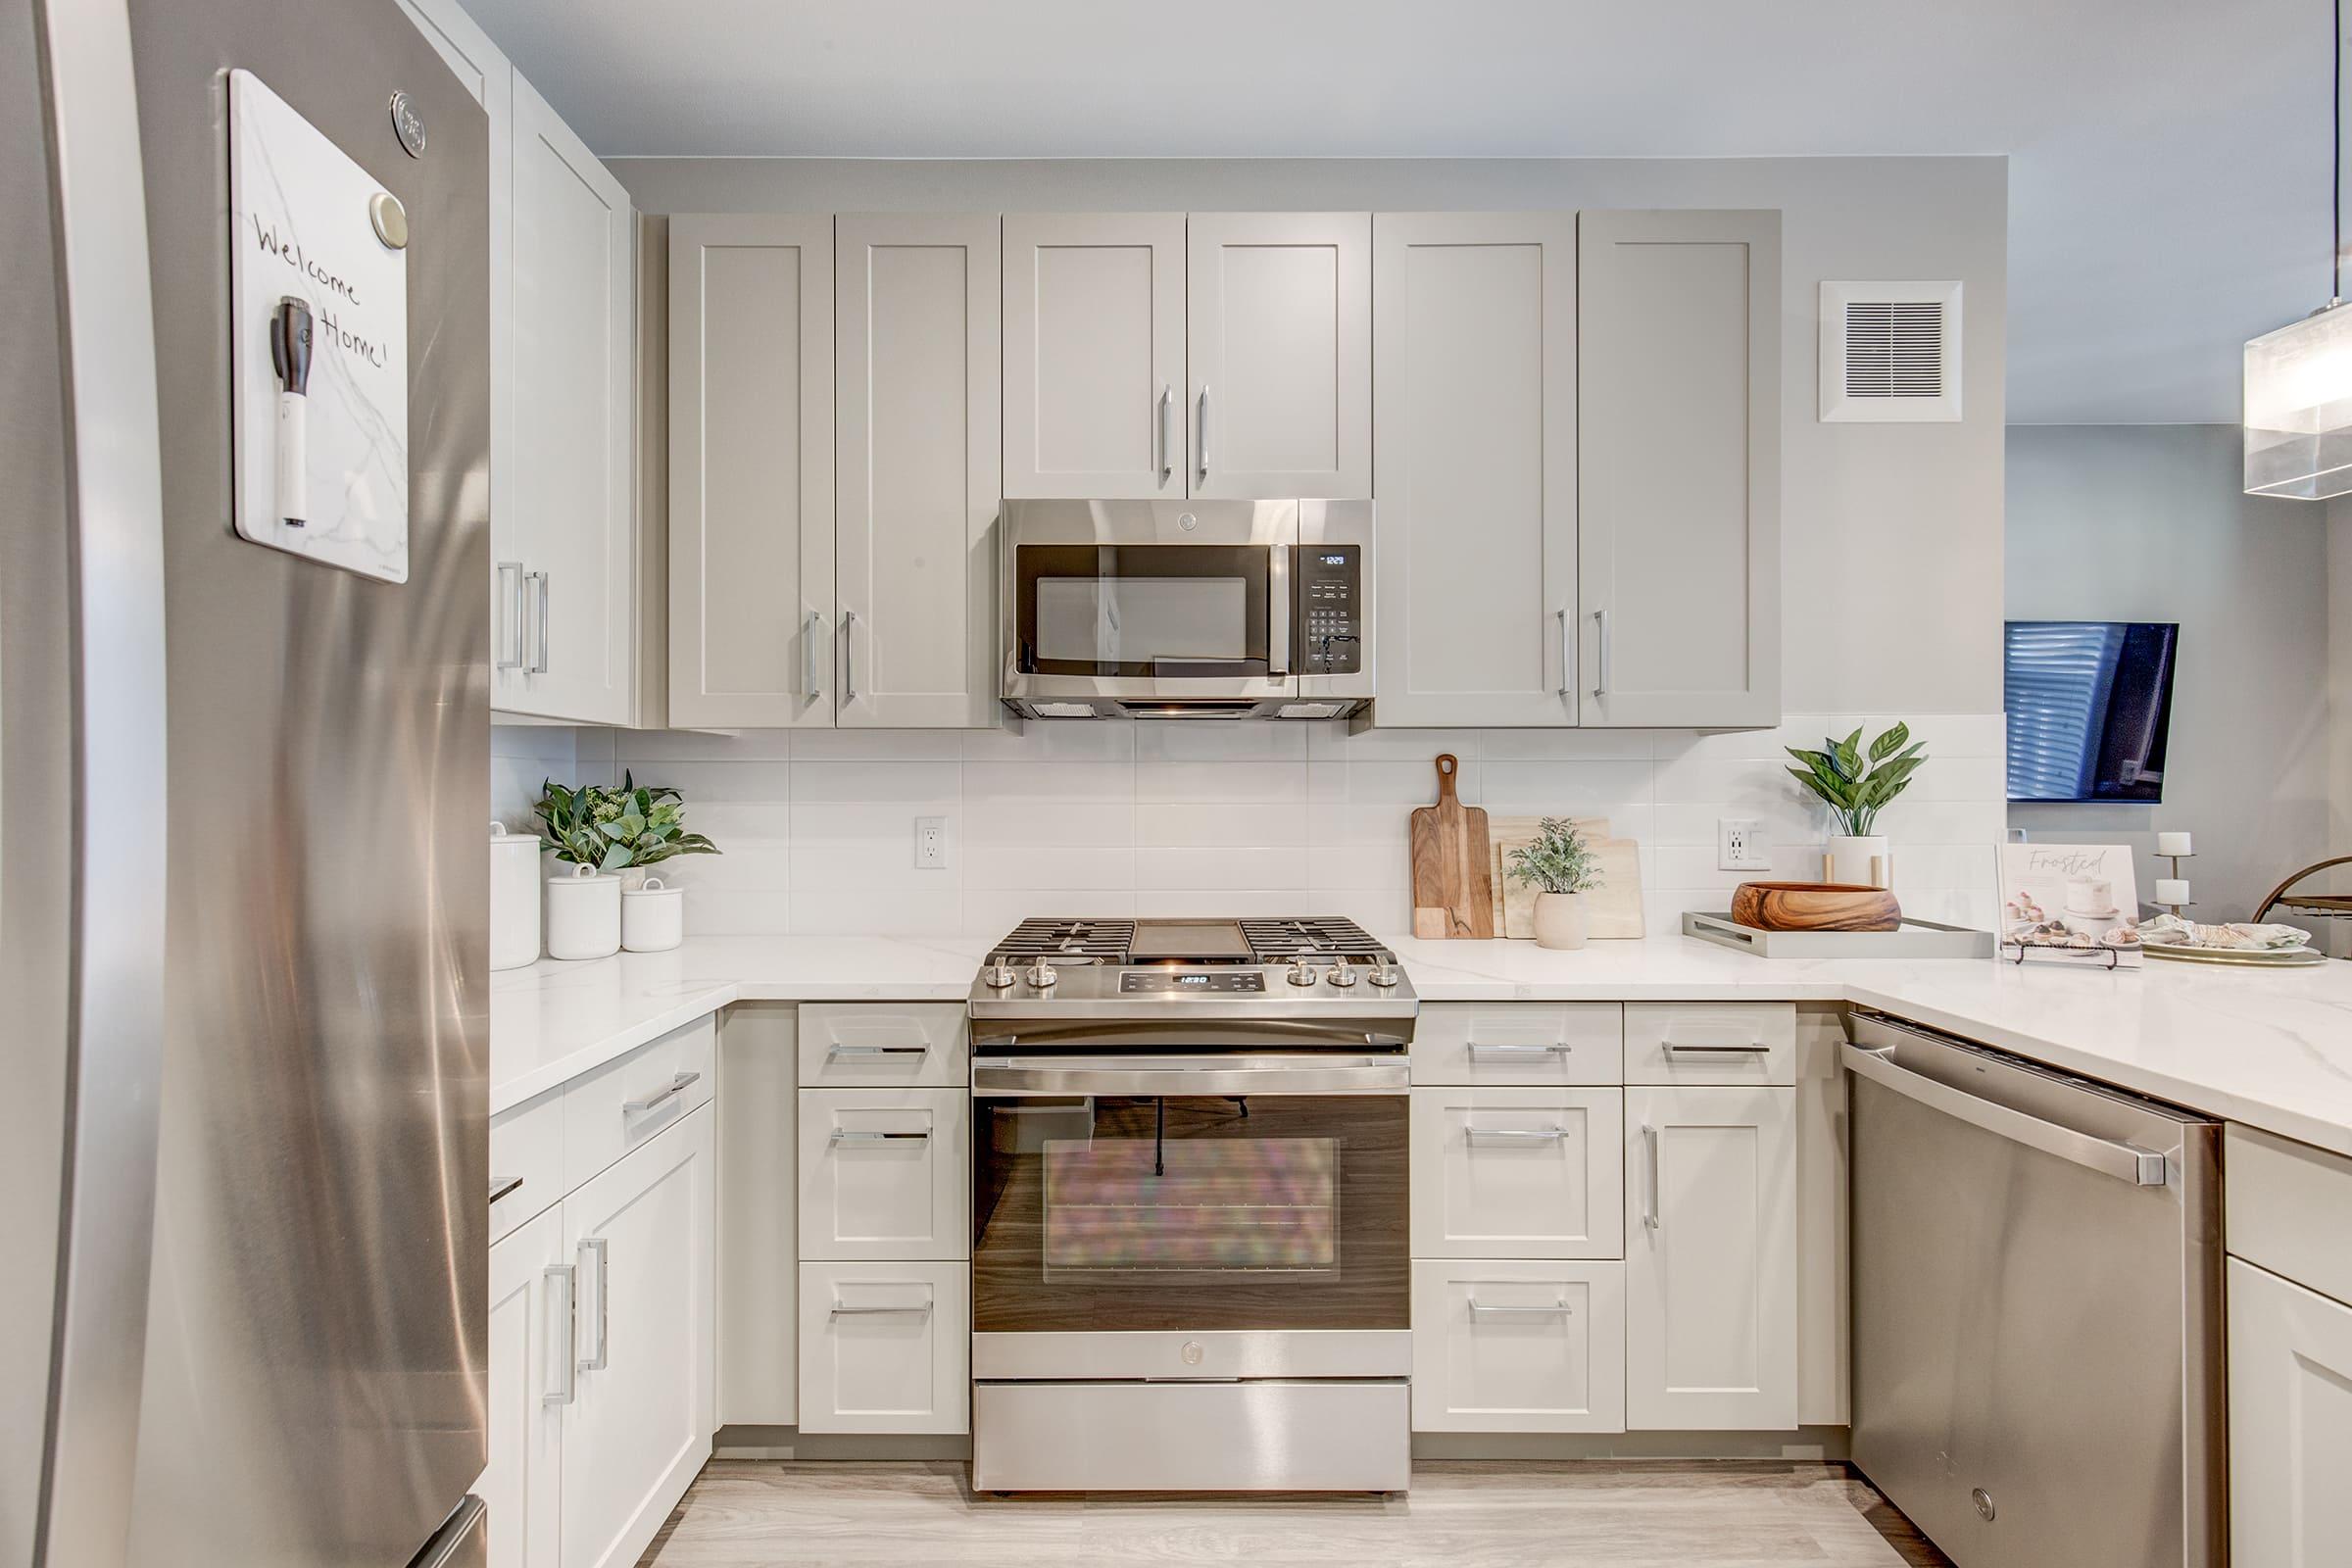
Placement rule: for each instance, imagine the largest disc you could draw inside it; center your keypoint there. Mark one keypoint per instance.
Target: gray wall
(1891, 533)
(2147, 522)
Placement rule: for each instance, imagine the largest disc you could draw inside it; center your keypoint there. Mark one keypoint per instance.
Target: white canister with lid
(513, 897)
(583, 913)
(653, 916)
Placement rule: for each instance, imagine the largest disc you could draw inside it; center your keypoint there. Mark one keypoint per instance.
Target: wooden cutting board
(1453, 876)
(1613, 911)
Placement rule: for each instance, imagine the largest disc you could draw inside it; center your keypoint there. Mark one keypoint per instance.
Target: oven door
(1223, 1215)
(1149, 600)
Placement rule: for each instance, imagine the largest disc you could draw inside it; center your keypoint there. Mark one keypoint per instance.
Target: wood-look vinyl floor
(1582, 1514)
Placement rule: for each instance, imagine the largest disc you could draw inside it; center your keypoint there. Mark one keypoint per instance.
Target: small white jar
(653, 916)
(513, 897)
(583, 913)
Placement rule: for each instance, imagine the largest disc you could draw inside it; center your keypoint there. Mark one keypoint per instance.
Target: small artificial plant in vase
(1562, 866)
(597, 834)
(1856, 785)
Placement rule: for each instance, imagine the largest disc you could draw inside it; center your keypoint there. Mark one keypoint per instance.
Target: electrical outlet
(1739, 845)
(930, 843)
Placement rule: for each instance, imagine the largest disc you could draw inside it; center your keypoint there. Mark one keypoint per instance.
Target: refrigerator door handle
(563, 1331)
(594, 1247)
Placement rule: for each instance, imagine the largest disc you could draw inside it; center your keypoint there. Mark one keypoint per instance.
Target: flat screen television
(2090, 704)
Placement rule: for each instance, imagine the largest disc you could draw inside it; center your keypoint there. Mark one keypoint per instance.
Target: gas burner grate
(1317, 936)
(1068, 941)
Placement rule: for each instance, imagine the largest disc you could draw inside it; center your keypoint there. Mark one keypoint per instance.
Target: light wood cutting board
(1613, 911)
(1453, 874)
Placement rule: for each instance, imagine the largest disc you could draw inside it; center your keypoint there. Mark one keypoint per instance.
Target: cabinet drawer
(1520, 1043)
(623, 1103)
(915, 1044)
(882, 1173)
(2289, 1208)
(526, 1144)
(1518, 1346)
(1517, 1172)
(1710, 1043)
(885, 1347)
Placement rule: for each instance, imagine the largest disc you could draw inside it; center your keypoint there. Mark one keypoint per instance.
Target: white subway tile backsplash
(1199, 819)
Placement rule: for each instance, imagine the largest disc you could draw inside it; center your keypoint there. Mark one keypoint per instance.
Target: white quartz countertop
(2268, 1047)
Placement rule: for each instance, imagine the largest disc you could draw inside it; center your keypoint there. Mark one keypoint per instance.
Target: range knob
(1041, 975)
(1384, 975)
(999, 976)
(1302, 971)
(1340, 975)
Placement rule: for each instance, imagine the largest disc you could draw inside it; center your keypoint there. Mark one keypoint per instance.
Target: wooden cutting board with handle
(1453, 879)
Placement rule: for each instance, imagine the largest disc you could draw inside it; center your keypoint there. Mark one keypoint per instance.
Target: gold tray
(2241, 957)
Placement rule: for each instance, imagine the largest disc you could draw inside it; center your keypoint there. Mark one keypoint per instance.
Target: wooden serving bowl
(1815, 907)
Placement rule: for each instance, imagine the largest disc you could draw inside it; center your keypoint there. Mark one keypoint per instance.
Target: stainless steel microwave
(1186, 609)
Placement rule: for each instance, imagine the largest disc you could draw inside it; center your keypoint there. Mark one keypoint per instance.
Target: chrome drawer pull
(1754, 1047)
(837, 1048)
(503, 1187)
(561, 1332)
(637, 1107)
(880, 1312)
(844, 1134)
(1558, 1048)
(1525, 1135)
(1556, 1309)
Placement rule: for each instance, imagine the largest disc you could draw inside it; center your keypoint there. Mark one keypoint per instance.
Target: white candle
(2172, 890)
(2172, 844)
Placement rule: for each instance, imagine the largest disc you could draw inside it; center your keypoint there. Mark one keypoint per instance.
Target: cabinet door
(758, 1207)
(1518, 1346)
(917, 323)
(2290, 1422)
(1679, 467)
(1517, 1173)
(1093, 356)
(1278, 337)
(884, 1172)
(530, 1380)
(886, 1348)
(639, 1425)
(574, 430)
(1475, 412)
(751, 470)
(1710, 1258)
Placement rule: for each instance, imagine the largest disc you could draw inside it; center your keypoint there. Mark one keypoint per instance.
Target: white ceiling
(2169, 162)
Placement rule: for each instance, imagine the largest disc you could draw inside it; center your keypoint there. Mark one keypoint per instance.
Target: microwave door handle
(1277, 612)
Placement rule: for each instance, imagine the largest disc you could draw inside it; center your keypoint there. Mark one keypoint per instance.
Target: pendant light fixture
(2299, 379)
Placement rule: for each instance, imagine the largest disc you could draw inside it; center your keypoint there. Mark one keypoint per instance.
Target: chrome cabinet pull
(1167, 438)
(512, 631)
(849, 653)
(503, 1187)
(562, 1332)
(595, 1246)
(840, 1310)
(1557, 1047)
(846, 1135)
(1524, 1135)
(810, 691)
(538, 665)
(661, 1096)
(1601, 676)
(1753, 1047)
(1567, 655)
(1204, 432)
(1479, 1308)
(837, 1048)
(1650, 1136)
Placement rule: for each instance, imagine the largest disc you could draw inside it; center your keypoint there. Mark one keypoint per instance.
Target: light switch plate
(1739, 845)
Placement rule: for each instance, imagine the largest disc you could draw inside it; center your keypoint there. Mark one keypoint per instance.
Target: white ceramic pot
(514, 899)
(653, 916)
(1560, 921)
(1859, 863)
(583, 913)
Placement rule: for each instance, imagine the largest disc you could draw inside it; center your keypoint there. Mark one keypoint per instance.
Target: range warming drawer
(1271, 1436)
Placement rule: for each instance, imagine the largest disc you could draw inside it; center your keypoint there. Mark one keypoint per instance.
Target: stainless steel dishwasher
(2037, 1308)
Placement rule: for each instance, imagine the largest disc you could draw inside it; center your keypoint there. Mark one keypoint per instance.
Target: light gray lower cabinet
(1679, 472)
(759, 1216)
(918, 430)
(1474, 461)
(752, 616)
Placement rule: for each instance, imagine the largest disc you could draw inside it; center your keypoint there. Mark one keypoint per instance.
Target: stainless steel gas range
(1190, 1261)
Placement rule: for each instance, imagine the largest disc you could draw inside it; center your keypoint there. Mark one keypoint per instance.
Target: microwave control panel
(1330, 581)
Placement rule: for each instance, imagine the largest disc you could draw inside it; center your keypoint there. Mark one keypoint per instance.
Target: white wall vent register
(1889, 352)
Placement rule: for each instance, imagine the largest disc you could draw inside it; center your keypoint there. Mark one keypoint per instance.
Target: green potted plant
(1857, 784)
(596, 833)
(1562, 866)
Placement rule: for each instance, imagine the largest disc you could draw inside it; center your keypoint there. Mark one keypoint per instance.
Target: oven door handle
(1177, 1076)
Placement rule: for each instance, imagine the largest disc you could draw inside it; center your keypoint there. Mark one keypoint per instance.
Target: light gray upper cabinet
(1093, 356)
(1277, 324)
(1474, 458)
(752, 616)
(1678, 478)
(918, 333)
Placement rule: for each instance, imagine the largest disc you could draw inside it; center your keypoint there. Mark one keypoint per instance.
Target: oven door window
(1143, 611)
(1192, 1214)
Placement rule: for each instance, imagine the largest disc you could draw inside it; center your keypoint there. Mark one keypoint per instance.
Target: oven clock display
(1222, 982)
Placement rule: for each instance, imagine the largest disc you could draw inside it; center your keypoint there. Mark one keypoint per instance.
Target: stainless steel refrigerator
(243, 1166)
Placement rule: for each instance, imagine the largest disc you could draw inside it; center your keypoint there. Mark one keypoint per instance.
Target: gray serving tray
(1917, 939)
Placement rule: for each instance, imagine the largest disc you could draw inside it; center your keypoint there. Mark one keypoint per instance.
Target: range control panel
(1200, 982)
(1330, 587)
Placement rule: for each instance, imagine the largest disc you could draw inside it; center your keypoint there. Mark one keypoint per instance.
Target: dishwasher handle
(2125, 1163)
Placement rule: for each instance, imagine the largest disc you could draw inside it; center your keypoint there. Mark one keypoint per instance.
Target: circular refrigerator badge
(408, 124)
